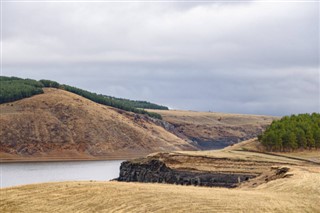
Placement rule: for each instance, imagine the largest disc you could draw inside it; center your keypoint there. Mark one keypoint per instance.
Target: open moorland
(297, 191)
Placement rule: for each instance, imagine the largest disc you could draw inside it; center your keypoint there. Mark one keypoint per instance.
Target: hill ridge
(62, 124)
(14, 88)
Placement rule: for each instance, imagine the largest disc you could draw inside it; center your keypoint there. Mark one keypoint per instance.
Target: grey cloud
(249, 57)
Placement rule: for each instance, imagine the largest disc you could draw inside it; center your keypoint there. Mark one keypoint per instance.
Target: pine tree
(293, 132)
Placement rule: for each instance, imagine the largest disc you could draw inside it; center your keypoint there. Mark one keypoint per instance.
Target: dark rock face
(155, 171)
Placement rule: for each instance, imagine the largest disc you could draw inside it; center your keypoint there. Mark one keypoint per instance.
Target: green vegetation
(48, 83)
(109, 101)
(138, 104)
(13, 88)
(293, 132)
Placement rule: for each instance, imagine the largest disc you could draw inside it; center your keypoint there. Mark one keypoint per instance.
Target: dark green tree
(293, 132)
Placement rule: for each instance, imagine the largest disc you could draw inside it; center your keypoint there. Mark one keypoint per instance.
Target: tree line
(13, 88)
(108, 101)
(293, 132)
(138, 104)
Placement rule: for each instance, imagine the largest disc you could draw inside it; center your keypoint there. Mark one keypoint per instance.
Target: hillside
(211, 130)
(298, 190)
(14, 88)
(60, 125)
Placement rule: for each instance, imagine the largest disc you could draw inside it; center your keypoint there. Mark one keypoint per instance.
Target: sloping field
(60, 125)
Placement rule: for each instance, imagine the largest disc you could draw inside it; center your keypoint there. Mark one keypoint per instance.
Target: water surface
(13, 174)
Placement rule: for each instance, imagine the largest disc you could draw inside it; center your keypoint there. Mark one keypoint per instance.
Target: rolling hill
(59, 125)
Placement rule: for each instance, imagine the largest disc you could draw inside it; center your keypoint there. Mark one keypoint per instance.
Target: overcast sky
(239, 57)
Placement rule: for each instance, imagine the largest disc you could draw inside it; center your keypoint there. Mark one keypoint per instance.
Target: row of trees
(138, 104)
(48, 83)
(109, 101)
(293, 132)
(13, 88)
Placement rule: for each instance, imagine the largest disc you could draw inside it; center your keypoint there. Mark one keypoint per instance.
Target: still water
(13, 174)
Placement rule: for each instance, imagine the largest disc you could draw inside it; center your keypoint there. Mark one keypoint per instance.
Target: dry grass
(253, 145)
(60, 124)
(300, 193)
(249, 151)
(225, 161)
(313, 155)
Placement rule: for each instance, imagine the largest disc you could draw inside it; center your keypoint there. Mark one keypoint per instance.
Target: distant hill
(13, 88)
(59, 125)
(210, 130)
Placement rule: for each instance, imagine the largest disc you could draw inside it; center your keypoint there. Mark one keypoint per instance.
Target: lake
(13, 174)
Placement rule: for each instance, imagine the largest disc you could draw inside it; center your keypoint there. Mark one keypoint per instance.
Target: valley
(60, 126)
(186, 161)
(164, 106)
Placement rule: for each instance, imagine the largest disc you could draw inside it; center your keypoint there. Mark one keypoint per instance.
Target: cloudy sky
(254, 57)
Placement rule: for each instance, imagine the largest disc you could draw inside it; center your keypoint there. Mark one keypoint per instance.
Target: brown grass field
(292, 195)
(297, 193)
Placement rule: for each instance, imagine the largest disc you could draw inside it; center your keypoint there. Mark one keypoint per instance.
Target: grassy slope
(298, 193)
(61, 125)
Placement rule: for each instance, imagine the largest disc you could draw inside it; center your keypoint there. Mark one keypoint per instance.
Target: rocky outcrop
(156, 171)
